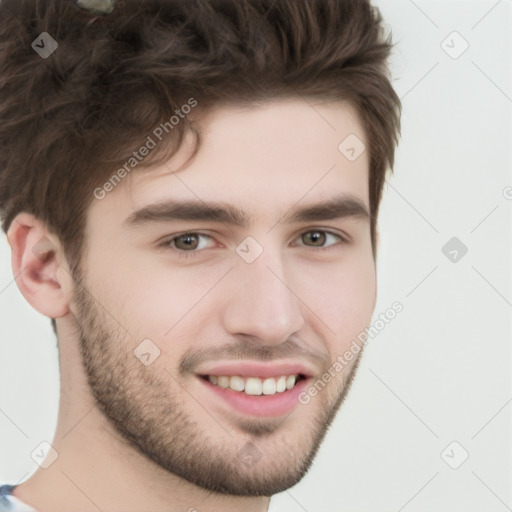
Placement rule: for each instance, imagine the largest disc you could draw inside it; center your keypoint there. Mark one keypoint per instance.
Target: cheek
(343, 297)
(162, 303)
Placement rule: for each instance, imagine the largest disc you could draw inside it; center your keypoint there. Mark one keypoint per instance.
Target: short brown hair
(67, 121)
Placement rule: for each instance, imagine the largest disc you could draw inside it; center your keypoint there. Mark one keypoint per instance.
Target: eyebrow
(341, 206)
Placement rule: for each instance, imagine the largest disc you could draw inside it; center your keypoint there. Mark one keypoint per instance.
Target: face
(208, 317)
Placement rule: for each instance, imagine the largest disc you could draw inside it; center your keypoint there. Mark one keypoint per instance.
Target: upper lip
(257, 368)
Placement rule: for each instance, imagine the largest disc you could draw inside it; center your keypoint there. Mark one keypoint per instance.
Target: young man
(190, 191)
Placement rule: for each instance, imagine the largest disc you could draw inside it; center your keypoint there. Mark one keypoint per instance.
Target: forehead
(265, 157)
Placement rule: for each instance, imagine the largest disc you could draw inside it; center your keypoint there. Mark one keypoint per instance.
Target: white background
(438, 373)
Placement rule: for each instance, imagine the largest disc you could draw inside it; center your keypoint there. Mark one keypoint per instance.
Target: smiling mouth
(255, 386)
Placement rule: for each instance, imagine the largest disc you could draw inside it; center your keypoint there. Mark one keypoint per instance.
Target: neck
(96, 470)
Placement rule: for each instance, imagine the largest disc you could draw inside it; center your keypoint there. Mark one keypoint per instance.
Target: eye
(187, 243)
(319, 237)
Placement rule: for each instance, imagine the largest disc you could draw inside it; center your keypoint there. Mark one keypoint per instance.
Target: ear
(40, 269)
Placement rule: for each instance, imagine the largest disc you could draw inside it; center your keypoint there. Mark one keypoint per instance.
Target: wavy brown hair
(69, 120)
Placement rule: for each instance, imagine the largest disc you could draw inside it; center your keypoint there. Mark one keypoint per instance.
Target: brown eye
(187, 241)
(188, 244)
(316, 237)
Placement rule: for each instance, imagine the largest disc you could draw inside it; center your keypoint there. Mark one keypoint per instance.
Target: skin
(124, 426)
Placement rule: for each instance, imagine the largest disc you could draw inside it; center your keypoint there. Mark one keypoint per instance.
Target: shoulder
(9, 503)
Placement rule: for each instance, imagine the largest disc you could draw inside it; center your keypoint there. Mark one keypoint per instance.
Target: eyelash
(166, 244)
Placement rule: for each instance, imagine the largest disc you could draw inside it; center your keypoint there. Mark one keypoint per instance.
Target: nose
(264, 306)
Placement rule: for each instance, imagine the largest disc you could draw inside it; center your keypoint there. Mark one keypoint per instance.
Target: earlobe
(37, 264)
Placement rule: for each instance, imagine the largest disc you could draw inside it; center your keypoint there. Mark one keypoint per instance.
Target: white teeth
(254, 385)
(223, 382)
(237, 383)
(281, 384)
(269, 386)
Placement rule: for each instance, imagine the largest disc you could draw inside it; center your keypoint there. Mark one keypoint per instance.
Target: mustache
(248, 348)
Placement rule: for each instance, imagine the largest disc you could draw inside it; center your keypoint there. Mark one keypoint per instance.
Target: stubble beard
(145, 409)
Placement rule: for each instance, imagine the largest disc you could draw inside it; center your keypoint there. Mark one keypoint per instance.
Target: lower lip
(261, 405)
